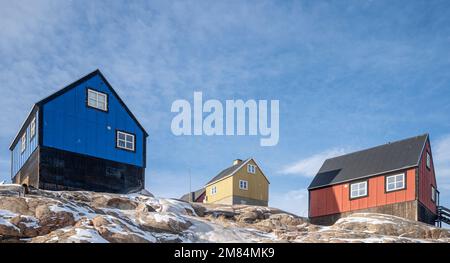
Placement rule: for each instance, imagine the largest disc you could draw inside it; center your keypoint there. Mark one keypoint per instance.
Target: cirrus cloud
(309, 166)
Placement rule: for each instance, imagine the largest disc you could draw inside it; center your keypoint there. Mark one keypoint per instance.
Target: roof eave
(363, 177)
(16, 138)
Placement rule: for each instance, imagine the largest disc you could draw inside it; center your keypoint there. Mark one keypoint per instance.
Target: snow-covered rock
(51, 217)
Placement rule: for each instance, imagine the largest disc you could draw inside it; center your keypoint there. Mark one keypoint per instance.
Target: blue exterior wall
(68, 124)
(19, 158)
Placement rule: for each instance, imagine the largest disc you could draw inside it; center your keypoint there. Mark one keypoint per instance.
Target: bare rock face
(50, 220)
(66, 217)
(115, 231)
(166, 222)
(15, 204)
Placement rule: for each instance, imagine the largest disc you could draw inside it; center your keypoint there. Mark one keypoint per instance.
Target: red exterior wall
(336, 199)
(426, 180)
(201, 198)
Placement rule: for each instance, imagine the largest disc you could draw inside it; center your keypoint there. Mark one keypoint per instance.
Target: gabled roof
(378, 160)
(233, 169)
(197, 194)
(71, 86)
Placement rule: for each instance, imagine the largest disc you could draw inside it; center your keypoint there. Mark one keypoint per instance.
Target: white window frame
(23, 142)
(251, 168)
(33, 128)
(428, 162)
(356, 191)
(213, 190)
(125, 141)
(243, 184)
(395, 182)
(433, 194)
(94, 101)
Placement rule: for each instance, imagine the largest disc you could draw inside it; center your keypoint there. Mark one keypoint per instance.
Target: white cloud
(309, 166)
(294, 201)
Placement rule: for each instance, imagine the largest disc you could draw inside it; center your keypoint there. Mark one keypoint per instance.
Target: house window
(97, 100)
(33, 128)
(125, 141)
(213, 190)
(251, 169)
(23, 142)
(433, 194)
(428, 160)
(395, 182)
(243, 185)
(358, 189)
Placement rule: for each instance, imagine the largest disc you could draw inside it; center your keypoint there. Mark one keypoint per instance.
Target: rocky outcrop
(51, 217)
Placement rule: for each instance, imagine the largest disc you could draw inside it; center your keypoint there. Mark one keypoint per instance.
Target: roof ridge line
(378, 146)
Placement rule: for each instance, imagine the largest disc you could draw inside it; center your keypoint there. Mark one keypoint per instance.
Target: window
(97, 100)
(395, 182)
(125, 141)
(33, 128)
(251, 169)
(428, 160)
(358, 189)
(213, 190)
(243, 185)
(433, 194)
(23, 142)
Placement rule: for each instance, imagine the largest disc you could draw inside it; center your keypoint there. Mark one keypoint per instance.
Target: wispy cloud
(294, 201)
(309, 166)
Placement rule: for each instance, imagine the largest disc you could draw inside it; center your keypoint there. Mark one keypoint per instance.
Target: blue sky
(348, 74)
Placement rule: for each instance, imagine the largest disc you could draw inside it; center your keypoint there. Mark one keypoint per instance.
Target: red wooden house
(196, 196)
(397, 178)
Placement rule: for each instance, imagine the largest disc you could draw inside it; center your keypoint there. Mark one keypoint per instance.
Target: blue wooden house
(82, 137)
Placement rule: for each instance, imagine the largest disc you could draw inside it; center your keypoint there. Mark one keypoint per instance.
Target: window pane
(390, 179)
(121, 136)
(130, 138)
(101, 98)
(102, 105)
(129, 145)
(92, 95)
(354, 193)
(92, 102)
(121, 143)
(399, 185)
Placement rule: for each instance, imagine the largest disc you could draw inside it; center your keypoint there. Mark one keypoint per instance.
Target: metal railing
(443, 215)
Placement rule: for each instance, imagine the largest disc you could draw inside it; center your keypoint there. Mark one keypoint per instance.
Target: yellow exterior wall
(224, 189)
(258, 187)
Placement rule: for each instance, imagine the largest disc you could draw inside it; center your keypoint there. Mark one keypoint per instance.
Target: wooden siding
(426, 180)
(68, 124)
(19, 158)
(336, 199)
(258, 186)
(228, 191)
(224, 191)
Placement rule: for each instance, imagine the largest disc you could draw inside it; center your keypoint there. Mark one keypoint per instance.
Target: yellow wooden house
(242, 183)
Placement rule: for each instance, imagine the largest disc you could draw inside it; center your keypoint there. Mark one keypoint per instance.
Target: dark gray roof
(226, 172)
(197, 194)
(378, 160)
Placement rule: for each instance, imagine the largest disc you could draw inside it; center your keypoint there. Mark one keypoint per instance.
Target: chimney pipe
(237, 161)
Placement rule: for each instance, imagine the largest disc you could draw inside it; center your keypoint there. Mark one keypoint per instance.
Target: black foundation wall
(425, 215)
(62, 170)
